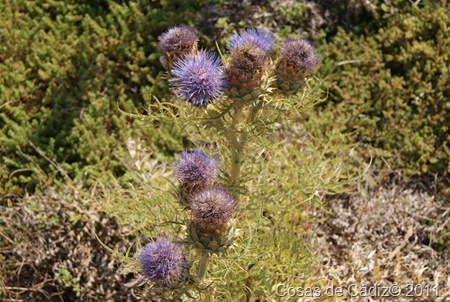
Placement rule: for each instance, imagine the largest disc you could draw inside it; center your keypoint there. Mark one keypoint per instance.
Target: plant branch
(203, 265)
(236, 146)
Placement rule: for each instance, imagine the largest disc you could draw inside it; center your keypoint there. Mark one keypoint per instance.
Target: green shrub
(386, 65)
(391, 88)
(65, 69)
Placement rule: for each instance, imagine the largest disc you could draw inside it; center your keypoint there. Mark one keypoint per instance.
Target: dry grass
(395, 236)
(49, 252)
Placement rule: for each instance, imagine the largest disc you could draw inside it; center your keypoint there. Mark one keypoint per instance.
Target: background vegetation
(72, 73)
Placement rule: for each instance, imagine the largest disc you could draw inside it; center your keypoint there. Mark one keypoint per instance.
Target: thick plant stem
(235, 145)
(203, 265)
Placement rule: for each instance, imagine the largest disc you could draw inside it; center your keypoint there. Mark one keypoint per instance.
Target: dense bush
(66, 67)
(391, 88)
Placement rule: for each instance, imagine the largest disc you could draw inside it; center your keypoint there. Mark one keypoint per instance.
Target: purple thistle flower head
(249, 50)
(256, 38)
(212, 209)
(178, 39)
(162, 261)
(195, 170)
(198, 78)
(300, 53)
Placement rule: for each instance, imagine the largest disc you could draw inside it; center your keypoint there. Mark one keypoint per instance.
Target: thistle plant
(239, 188)
(211, 230)
(246, 66)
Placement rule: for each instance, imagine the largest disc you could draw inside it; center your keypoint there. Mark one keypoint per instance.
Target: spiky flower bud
(162, 262)
(176, 42)
(297, 58)
(212, 209)
(195, 171)
(249, 56)
(198, 78)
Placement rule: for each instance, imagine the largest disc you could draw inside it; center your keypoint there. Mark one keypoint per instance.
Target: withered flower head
(212, 209)
(250, 50)
(178, 39)
(299, 53)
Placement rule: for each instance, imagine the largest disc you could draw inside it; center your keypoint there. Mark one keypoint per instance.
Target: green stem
(235, 145)
(203, 265)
